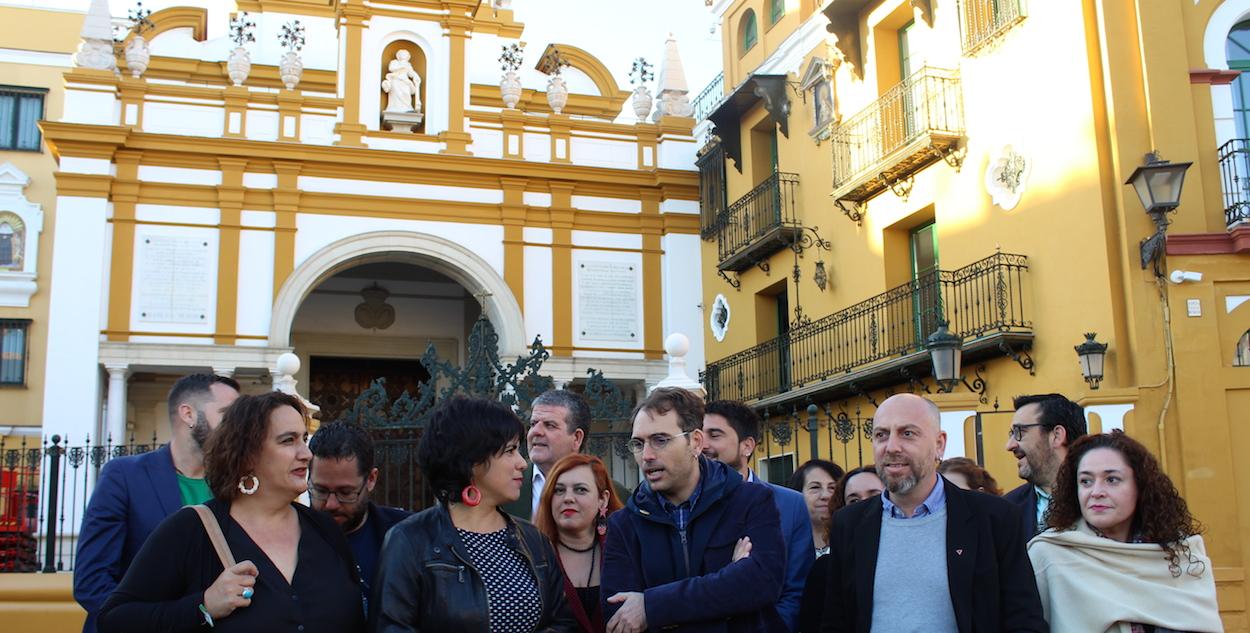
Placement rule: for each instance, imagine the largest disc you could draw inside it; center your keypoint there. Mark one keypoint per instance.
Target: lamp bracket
(915, 383)
(859, 391)
(733, 281)
(809, 237)
(851, 210)
(1022, 357)
(763, 265)
(900, 188)
(979, 386)
(952, 155)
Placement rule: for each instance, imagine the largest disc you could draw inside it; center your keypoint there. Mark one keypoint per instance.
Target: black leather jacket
(425, 581)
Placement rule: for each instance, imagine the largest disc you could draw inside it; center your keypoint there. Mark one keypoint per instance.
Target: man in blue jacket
(731, 431)
(134, 494)
(695, 548)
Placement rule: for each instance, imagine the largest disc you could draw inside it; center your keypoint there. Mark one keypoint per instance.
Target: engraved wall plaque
(608, 301)
(176, 279)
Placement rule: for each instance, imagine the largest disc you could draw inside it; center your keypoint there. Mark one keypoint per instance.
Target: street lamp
(1092, 356)
(946, 352)
(1158, 185)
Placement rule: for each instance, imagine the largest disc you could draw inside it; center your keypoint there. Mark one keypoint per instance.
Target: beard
(353, 519)
(900, 485)
(201, 430)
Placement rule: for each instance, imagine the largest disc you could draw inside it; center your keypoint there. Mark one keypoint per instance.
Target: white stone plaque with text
(176, 279)
(607, 301)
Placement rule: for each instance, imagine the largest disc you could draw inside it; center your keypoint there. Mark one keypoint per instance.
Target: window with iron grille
(13, 348)
(981, 21)
(20, 111)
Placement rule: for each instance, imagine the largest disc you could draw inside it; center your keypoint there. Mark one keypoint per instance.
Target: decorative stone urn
(642, 102)
(557, 94)
(292, 68)
(239, 65)
(510, 89)
(137, 55)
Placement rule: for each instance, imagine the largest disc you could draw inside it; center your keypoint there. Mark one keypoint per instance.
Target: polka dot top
(511, 590)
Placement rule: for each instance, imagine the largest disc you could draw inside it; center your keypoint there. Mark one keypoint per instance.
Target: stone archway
(436, 253)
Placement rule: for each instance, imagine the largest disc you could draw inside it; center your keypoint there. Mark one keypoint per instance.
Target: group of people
(208, 534)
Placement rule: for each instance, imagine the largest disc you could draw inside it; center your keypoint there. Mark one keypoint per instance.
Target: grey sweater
(911, 593)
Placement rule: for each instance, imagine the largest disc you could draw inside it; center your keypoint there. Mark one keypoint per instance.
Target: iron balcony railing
(1235, 176)
(982, 298)
(758, 223)
(983, 20)
(907, 129)
(710, 97)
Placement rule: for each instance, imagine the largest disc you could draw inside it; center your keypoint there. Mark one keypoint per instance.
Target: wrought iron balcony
(915, 124)
(881, 341)
(759, 223)
(1235, 175)
(710, 97)
(981, 21)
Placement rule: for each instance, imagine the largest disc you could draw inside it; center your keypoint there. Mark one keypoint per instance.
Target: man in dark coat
(696, 548)
(1042, 429)
(926, 555)
(341, 479)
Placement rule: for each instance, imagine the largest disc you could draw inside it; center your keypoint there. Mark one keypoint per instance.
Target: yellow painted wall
(1084, 89)
(55, 32)
(39, 602)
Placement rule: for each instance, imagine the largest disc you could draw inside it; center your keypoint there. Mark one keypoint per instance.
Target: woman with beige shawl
(1123, 554)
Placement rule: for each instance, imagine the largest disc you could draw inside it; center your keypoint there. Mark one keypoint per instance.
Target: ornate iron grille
(1235, 176)
(983, 297)
(709, 97)
(897, 132)
(981, 21)
(763, 210)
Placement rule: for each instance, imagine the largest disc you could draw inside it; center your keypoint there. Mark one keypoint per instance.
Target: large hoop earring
(246, 489)
(471, 496)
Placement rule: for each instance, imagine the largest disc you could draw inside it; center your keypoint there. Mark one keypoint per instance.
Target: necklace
(594, 545)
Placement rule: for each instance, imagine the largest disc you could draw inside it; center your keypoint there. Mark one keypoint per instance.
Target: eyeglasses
(1016, 432)
(657, 442)
(321, 494)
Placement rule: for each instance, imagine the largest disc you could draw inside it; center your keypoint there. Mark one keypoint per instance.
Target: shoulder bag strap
(213, 528)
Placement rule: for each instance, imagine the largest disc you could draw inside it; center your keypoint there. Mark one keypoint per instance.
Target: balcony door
(783, 341)
(926, 286)
(1238, 48)
(898, 111)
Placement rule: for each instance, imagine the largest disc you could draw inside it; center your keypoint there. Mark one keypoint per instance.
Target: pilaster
(354, 17)
(230, 202)
(125, 194)
(562, 215)
(652, 228)
(285, 205)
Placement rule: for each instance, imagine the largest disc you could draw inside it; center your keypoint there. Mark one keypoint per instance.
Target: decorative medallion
(720, 317)
(375, 313)
(1006, 177)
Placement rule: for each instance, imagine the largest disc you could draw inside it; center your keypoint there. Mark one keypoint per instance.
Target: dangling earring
(246, 489)
(601, 523)
(471, 496)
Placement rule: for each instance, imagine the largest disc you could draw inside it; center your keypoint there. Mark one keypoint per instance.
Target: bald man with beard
(926, 555)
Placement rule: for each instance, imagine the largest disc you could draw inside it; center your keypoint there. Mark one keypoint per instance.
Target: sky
(615, 31)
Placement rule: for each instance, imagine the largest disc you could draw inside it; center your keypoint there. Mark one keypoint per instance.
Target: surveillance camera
(1181, 276)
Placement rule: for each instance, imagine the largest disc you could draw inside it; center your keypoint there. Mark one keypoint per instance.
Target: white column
(115, 416)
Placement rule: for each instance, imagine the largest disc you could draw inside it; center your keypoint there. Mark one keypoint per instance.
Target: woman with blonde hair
(1123, 554)
(573, 514)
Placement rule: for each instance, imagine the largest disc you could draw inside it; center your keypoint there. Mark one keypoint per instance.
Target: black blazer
(991, 579)
(1025, 498)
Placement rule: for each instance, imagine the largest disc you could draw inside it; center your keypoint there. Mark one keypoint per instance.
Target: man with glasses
(1041, 430)
(696, 547)
(341, 479)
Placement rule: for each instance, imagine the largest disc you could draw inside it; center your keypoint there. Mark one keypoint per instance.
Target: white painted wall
(262, 125)
(683, 287)
(256, 248)
(169, 213)
(91, 105)
(71, 402)
(486, 143)
(596, 203)
(953, 423)
(539, 317)
(606, 240)
(595, 152)
(179, 175)
(677, 153)
(183, 119)
(317, 231)
(399, 190)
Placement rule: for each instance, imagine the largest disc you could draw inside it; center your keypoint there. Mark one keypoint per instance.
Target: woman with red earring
(464, 565)
(573, 514)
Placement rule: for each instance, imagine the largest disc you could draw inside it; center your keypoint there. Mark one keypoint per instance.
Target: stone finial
(678, 345)
(284, 380)
(96, 49)
(674, 99)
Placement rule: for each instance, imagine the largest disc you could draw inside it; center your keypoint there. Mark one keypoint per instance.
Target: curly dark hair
(978, 477)
(1161, 515)
(462, 433)
(233, 448)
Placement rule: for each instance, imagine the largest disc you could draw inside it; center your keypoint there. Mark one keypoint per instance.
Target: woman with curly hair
(969, 475)
(1123, 554)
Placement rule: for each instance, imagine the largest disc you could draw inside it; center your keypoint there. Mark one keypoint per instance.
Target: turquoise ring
(247, 593)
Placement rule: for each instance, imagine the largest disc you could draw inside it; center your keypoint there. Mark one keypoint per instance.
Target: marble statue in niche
(403, 89)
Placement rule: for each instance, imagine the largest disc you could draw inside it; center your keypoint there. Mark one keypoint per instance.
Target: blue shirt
(934, 502)
(680, 514)
(1043, 504)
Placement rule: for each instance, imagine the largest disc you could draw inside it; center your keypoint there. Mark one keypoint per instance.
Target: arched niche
(419, 64)
(436, 253)
(12, 241)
